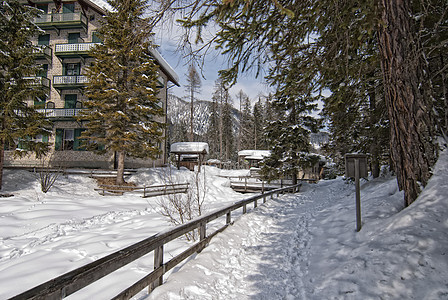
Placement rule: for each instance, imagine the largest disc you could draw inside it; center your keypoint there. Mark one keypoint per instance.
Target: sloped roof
(189, 147)
(100, 5)
(254, 154)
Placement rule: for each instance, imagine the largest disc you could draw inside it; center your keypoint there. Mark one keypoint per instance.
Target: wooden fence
(249, 184)
(148, 191)
(77, 279)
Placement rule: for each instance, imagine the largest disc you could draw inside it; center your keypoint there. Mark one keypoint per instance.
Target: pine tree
(19, 123)
(122, 111)
(227, 128)
(291, 35)
(213, 129)
(247, 122)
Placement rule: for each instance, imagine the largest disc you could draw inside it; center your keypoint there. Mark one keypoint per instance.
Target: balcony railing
(62, 20)
(55, 112)
(74, 49)
(69, 81)
(38, 81)
(60, 112)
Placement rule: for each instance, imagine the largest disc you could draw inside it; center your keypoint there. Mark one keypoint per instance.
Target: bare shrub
(182, 208)
(46, 175)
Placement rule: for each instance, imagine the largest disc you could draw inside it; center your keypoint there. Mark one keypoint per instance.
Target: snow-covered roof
(254, 154)
(167, 69)
(189, 147)
(101, 4)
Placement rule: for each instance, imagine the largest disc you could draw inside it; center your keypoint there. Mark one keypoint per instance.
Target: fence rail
(77, 279)
(148, 191)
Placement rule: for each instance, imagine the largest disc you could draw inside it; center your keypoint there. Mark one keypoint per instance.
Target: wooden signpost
(356, 167)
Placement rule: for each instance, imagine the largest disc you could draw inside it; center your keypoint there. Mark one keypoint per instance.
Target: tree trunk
(407, 92)
(120, 168)
(374, 145)
(191, 115)
(2, 161)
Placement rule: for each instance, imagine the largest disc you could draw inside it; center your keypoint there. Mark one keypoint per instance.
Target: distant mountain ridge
(179, 113)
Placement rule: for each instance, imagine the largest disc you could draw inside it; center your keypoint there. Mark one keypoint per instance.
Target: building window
(95, 37)
(43, 7)
(24, 144)
(43, 71)
(70, 101)
(73, 38)
(68, 8)
(43, 40)
(72, 69)
(39, 103)
(68, 139)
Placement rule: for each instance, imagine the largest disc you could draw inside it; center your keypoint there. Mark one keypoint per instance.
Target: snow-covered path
(263, 255)
(305, 246)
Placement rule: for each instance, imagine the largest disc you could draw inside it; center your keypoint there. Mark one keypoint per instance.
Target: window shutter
(77, 143)
(58, 139)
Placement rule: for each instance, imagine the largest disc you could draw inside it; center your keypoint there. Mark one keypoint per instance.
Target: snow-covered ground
(301, 246)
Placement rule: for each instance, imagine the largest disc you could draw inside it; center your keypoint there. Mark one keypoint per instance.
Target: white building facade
(70, 32)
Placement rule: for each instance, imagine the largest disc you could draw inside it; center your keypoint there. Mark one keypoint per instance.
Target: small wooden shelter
(189, 154)
(252, 157)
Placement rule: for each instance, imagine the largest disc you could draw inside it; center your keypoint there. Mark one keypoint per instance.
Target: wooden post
(228, 218)
(358, 196)
(262, 186)
(255, 203)
(158, 262)
(244, 209)
(202, 231)
(245, 184)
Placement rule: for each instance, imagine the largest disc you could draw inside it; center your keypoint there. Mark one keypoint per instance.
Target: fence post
(158, 262)
(228, 218)
(244, 209)
(202, 231)
(264, 199)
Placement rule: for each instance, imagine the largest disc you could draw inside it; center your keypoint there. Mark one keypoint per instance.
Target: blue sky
(167, 40)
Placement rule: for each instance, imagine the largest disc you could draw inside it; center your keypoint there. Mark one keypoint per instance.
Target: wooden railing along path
(148, 191)
(250, 184)
(77, 279)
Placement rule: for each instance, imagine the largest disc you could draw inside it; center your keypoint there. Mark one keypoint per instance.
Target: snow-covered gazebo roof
(254, 154)
(190, 148)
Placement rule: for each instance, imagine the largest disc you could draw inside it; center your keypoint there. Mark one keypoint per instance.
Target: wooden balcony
(69, 82)
(45, 52)
(73, 50)
(60, 21)
(59, 113)
(38, 81)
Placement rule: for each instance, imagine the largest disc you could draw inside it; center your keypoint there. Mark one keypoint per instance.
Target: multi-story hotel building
(70, 32)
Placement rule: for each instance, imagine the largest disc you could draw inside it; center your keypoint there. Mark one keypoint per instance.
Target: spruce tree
(213, 129)
(247, 125)
(123, 112)
(291, 35)
(19, 123)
